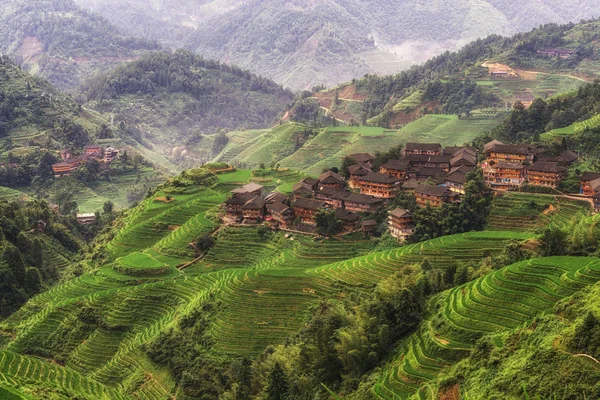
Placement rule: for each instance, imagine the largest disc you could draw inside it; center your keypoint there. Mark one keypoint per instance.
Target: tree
(278, 385)
(461, 276)
(553, 242)
(327, 223)
(108, 207)
(346, 162)
(33, 281)
(14, 260)
(244, 381)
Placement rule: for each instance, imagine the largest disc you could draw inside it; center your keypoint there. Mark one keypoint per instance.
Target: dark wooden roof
(361, 157)
(398, 165)
(544, 166)
(362, 199)
(255, 203)
(345, 215)
(309, 204)
(400, 213)
(376, 177)
(509, 165)
(333, 193)
(590, 176)
(277, 207)
(423, 146)
(248, 188)
(511, 149)
(359, 169)
(330, 177)
(431, 190)
(239, 199)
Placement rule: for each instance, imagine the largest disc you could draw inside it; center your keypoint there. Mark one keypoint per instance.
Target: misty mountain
(62, 42)
(302, 43)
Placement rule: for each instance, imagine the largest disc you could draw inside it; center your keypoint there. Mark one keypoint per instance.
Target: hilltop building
(400, 223)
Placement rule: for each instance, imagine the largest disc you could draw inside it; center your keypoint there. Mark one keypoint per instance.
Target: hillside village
(433, 174)
(71, 163)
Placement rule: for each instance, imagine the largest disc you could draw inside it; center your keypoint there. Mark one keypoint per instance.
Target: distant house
(435, 195)
(251, 188)
(362, 158)
(357, 171)
(233, 205)
(307, 208)
(489, 145)
(424, 174)
(432, 149)
(464, 156)
(589, 183)
(548, 174)
(457, 178)
(440, 161)
(281, 213)
(110, 154)
(332, 196)
(62, 169)
(93, 150)
(350, 220)
(560, 53)
(378, 185)
(86, 218)
(511, 153)
(504, 175)
(396, 168)
(400, 223)
(331, 179)
(275, 197)
(253, 210)
(301, 189)
(362, 203)
(368, 227)
(565, 158)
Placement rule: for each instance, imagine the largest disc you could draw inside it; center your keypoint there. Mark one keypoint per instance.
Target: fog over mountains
(301, 43)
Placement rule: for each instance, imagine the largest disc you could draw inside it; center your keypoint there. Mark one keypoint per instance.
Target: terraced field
(504, 300)
(527, 212)
(577, 127)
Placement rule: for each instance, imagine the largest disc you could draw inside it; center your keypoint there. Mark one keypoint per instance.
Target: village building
(275, 197)
(368, 227)
(378, 185)
(86, 218)
(281, 213)
(457, 178)
(400, 223)
(504, 175)
(596, 200)
(565, 159)
(362, 203)
(560, 53)
(110, 154)
(302, 189)
(93, 150)
(427, 161)
(436, 175)
(432, 149)
(306, 209)
(350, 220)
(511, 153)
(548, 174)
(589, 183)
(396, 168)
(362, 158)
(332, 180)
(65, 154)
(332, 196)
(435, 196)
(251, 188)
(489, 145)
(253, 210)
(63, 169)
(233, 205)
(411, 185)
(465, 157)
(356, 171)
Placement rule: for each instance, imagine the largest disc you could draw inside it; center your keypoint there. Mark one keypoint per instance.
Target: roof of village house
(595, 184)
(61, 165)
(275, 197)
(489, 145)
(302, 188)
(459, 174)
(435, 173)
(545, 166)
(411, 184)
(346, 215)
(464, 156)
(239, 199)
(310, 181)
(309, 204)
(509, 165)
(566, 157)
(334, 193)
(256, 203)
(377, 177)
(400, 213)
(361, 157)
(362, 199)
(432, 190)
(277, 207)
(590, 176)
(423, 147)
(359, 169)
(398, 165)
(369, 223)
(452, 150)
(511, 149)
(330, 177)
(248, 188)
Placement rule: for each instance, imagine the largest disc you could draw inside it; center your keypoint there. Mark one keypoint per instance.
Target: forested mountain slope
(171, 101)
(304, 43)
(65, 44)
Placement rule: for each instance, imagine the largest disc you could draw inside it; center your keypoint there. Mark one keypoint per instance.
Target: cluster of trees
(459, 96)
(29, 234)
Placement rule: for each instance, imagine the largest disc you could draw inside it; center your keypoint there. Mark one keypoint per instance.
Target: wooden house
(589, 183)
(275, 197)
(504, 175)
(302, 189)
(368, 227)
(378, 185)
(253, 210)
(363, 158)
(233, 205)
(93, 150)
(350, 220)
(332, 180)
(435, 195)
(110, 154)
(511, 153)
(86, 218)
(432, 149)
(396, 168)
(457, 178)
(307, 208)
(251, 188)
(464, 156)
(546, 174)
(436, 175)
(281, 213)
(332, 196)
(357, 171)
(400, 223)
(362, 203)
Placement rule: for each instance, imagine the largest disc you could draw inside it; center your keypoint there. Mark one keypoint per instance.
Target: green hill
(172, 102)
(60, 41)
